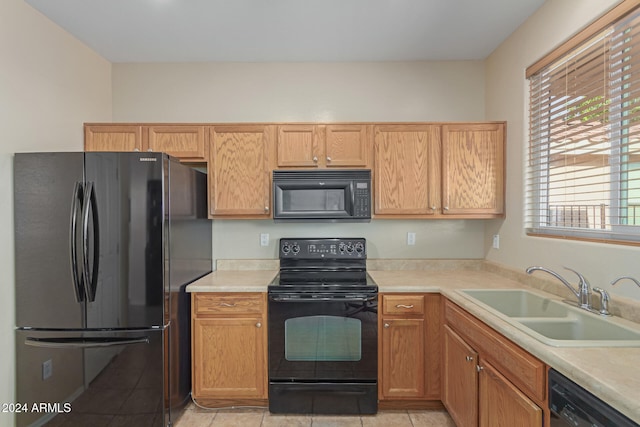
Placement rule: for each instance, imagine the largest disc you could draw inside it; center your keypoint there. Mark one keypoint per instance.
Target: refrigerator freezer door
(82, 378)
(48, 188)
(125, 240)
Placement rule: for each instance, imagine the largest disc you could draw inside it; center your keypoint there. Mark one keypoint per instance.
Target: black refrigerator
(105, 244)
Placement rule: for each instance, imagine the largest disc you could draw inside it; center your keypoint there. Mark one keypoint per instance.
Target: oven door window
(323, 339)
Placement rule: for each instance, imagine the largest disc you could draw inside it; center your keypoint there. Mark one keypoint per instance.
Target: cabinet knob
(433, 208)
(469, 359)
(315, 159)
(258, 325)
(266, 208)
(328, 159)
(386, 325)
(446, 208)
(136, 149)
(479, 368)
(149, 149)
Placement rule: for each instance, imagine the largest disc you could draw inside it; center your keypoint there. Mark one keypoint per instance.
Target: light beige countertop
(234, 281)
(611, 373)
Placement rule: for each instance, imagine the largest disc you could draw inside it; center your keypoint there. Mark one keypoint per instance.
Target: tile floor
(194, 416)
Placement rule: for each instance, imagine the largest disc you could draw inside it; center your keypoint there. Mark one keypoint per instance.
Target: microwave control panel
(361, 200)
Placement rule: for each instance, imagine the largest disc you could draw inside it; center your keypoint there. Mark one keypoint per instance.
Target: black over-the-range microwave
(322, 195)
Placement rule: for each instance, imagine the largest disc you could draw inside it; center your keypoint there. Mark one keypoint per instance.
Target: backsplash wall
(438, 239)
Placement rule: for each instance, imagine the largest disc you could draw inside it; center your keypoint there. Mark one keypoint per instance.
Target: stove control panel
(332, 248)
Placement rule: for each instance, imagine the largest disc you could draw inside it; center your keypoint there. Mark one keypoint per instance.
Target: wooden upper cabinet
(344, 145)
(113, 138)
(188, 143)
(347, 145)
(406, 169)
(473, 169)
(298, 145)
(239, 169)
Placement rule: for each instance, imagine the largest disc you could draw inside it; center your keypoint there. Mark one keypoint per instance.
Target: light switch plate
(411, 239)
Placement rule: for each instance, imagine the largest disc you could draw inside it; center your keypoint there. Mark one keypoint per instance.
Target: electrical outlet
(496, 241)
(411, 238)
(47, 369)
(264, 239)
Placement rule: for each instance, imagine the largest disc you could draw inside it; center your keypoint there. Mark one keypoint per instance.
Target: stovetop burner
(325, 265)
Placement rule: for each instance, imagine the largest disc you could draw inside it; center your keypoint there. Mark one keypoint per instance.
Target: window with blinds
(584, 139)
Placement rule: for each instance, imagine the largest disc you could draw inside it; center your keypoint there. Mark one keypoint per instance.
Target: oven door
(320, 338)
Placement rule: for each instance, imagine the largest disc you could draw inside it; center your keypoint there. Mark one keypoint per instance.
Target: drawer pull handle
(386, 325)
(404, 306)
(479, 368)
(469, 359)
(226, 304)
(258, 325)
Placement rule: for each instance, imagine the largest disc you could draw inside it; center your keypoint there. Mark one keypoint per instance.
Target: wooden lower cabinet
(229, 347)
(409, 351)
(488, 381)
(502, 404)
(460, 380)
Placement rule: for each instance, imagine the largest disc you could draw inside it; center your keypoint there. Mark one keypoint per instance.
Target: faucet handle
(626, 277)
(604, 301)
(583, 283)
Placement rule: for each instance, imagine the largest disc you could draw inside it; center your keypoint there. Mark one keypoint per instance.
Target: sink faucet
(625, 277)
(583, 294)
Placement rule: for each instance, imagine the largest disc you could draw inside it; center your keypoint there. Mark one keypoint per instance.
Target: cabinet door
(298, 145)
(239, 171)
(346, 145)
(460, 380)
(473, 169)
(185, 142)
(402, 358)
(502, 404)
(406, 169)
(112, 138)
(229, 358)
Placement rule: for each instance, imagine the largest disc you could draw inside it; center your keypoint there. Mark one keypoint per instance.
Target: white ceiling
(289, 30)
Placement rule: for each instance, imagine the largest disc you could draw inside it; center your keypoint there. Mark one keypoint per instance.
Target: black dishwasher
(571, 405)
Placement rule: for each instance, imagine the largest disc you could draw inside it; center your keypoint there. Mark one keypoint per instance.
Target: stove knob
(295, 249)
(359, 248)
(349, 248)
(342, 247)
(285, 249)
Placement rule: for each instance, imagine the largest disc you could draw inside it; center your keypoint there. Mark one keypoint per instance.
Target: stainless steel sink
(554, 322)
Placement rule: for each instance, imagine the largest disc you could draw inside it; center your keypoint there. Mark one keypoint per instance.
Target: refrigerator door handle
(81, 342)
(90, 205)
(77, 277)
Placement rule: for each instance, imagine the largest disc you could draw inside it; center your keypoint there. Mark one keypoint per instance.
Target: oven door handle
(323, 299)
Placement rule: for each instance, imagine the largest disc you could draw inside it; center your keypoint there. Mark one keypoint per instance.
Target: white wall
(506, 98)
(294, 92)
(314, 92)
(49, 85)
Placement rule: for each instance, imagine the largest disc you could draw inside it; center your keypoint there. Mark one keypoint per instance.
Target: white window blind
(583, 176)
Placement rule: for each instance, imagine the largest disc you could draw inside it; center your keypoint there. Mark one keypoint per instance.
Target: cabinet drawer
(403, 304)
(520, 367)
(227, 304)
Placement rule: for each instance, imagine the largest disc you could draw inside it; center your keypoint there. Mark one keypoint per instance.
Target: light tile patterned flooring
(197, 417)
